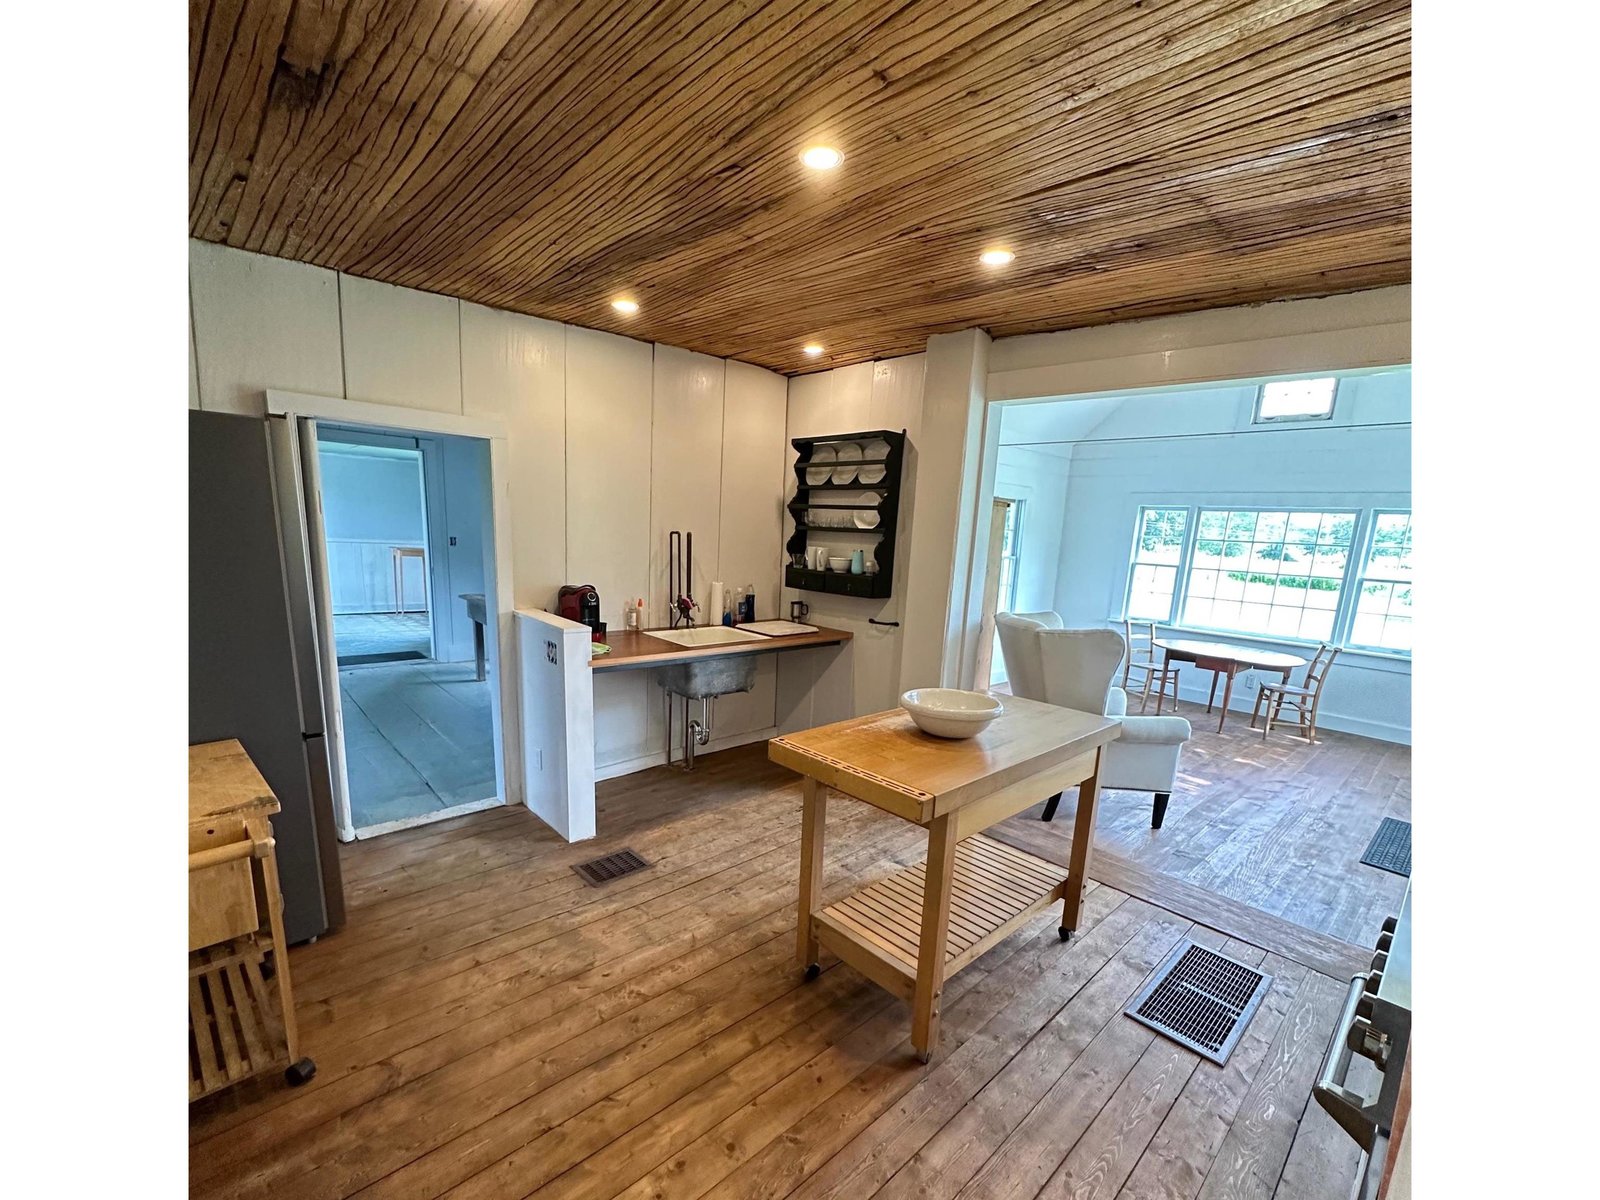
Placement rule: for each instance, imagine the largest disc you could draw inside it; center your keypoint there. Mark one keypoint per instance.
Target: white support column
(948, 475)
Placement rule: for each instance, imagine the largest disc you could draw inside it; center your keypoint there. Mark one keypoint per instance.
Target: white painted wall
(557, 731)
(877, 395)
(371, 504)
(1360, 459)
(596, 437)
(1039, 480)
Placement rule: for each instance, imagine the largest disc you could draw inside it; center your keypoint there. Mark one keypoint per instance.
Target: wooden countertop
(885, 760)
(632, 650)
(224, 782)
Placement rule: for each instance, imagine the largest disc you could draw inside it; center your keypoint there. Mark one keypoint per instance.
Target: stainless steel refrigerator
(253, 654)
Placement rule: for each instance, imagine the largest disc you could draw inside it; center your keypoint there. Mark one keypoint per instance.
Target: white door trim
(501, 660)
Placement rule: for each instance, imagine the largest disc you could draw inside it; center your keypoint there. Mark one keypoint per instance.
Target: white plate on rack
(874, 472)
(820, 474)
(847, 456)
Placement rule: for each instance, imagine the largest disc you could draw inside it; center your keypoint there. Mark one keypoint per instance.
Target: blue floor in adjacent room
(419, 739)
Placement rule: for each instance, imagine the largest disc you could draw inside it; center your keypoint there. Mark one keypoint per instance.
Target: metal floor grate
(612, 866)
(1201, 1000)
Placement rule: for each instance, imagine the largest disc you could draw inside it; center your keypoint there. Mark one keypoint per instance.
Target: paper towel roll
(713, 613)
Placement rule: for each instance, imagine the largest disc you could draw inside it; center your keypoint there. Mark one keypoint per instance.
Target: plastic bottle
(747, 604)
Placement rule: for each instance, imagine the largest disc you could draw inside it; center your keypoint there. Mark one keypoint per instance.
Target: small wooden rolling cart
(241, 1007)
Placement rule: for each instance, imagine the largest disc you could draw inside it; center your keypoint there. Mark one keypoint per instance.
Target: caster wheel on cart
(813, 971)
(300, 1072)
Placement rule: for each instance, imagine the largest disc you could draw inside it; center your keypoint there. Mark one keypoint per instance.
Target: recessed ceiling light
(812, 349)
(821, 158)
(625, 306)
(996, 256)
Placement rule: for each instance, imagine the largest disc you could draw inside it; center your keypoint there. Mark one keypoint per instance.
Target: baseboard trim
(643, 762)
(1381, 731)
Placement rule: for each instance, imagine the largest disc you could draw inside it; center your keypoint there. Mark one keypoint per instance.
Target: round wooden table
(1223, 658)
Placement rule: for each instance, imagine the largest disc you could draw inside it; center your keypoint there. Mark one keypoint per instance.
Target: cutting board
(778, 628)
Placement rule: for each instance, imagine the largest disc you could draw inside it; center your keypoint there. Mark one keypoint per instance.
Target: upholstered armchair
(1075, 668)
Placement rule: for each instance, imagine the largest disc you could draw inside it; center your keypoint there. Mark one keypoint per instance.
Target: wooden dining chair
(1304, 699)
(1142, 659)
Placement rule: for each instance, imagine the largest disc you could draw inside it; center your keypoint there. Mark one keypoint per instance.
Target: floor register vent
(612, 866)
(1200, 999)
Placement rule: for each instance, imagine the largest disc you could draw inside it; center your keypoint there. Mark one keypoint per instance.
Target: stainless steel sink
(707, 635)
(704, 679)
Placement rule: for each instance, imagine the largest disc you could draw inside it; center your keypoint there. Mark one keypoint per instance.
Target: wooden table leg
(813, 827)
(1166, 665)
(1227, 694)
(1212, 698)
(477, 647)
(1082, 844)
(937, 876)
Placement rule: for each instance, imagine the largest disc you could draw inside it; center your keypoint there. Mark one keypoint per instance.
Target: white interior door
(322, 605)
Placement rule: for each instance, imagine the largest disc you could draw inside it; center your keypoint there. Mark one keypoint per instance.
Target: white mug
(819, 557)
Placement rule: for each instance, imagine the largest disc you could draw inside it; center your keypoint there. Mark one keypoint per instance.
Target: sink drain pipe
(696, 732)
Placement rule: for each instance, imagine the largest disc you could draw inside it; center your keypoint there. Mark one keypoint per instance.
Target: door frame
(499, 639)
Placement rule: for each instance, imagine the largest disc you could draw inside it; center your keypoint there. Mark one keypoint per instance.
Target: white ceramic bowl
(950, 712)
(838, 564)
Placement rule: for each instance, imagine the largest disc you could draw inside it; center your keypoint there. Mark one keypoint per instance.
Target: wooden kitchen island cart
(912, 931)
(241, 1007)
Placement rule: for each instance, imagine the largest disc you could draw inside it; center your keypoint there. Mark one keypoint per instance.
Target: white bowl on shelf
(950, 712)
(838, 564)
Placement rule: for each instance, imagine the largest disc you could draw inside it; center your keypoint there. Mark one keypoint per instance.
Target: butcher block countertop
(631, 650)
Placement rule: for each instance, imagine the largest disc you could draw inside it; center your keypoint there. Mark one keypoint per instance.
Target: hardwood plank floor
(488, 1026)
(1278, 825)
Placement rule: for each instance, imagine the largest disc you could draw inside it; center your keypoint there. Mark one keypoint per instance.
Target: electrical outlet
(538, 759)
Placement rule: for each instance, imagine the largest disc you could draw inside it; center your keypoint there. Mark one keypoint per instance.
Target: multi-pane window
(1010, 554)
(1278, 574)
(1157, 555)
(1383, 601)
(1339, 576)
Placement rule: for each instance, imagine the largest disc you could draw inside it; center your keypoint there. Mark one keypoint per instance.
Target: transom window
(1341, 576)
(1296, 400)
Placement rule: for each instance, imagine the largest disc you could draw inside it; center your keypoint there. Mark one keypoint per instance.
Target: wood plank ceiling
(1141, 157)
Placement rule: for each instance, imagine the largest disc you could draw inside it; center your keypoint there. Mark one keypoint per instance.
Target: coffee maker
(580, 602)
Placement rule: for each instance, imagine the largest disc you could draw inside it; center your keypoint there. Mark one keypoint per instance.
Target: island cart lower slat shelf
(995, 890)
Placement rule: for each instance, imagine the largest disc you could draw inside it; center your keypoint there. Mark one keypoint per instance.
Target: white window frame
(1184, 555)
(1292, 418)
(1014, 514)
(1369, 531)
(1349, 584)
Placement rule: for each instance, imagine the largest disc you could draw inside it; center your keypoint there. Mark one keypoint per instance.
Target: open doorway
(408, 552)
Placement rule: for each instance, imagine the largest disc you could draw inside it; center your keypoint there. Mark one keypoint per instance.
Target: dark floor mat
(367, 660)
(1390, 847)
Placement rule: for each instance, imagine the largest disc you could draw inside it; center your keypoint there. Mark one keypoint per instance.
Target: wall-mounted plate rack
(878, 542)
